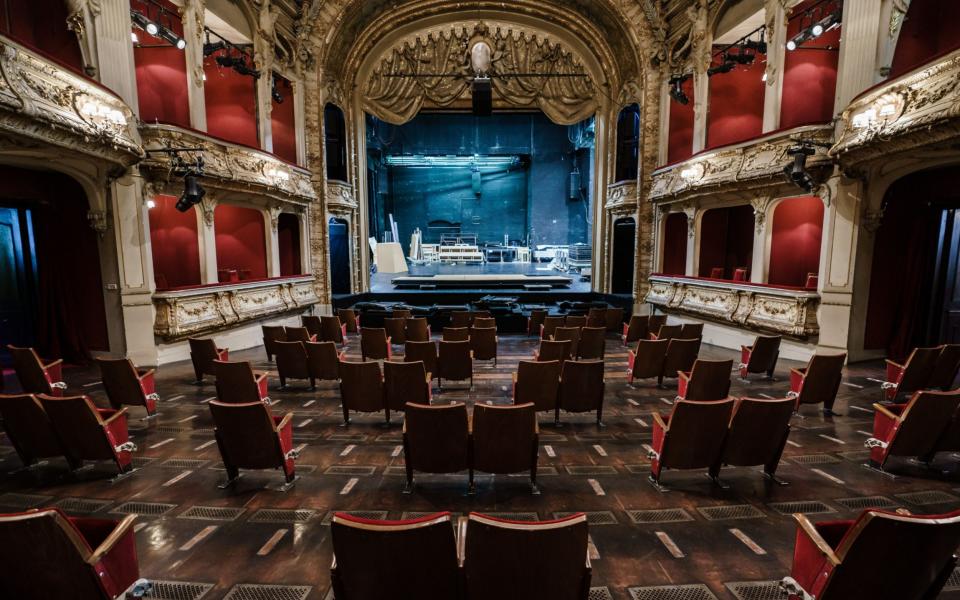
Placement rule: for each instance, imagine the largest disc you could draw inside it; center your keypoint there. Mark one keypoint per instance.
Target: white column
(760, 265)
(857, 69)
(776, 37)
(208, 239)
(300, 121)
(838, 264)
(193, 22)
(115, 64)
(272, 239)
(692, 227)
(701, 108)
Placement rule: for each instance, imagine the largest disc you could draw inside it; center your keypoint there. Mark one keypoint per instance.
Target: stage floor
(381, 282)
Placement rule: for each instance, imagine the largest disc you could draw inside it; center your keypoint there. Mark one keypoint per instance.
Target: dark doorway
(17, 278)
(339, 257)
(624, 237)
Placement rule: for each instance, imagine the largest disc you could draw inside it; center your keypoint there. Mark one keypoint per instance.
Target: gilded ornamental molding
(339, 197)
(917, 110)
(622, 197)
(740, 170)
(181, 313)
(785, 311)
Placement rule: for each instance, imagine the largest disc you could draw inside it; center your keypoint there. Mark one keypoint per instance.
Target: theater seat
(418, 330)
(647, 359)
(912, 429)
(46, 554)
(127, 385)
(535, 320)
(90, 433)
(761, 357)
(640, 327)
(551, 350)
(460, 319)
(292, 363)
(681, 354)
(593, 342)
(332, 330)
(568, 334)
(597, 317)
(740, 274)
(882, 555)
(818, 382)
(534, 561)
(396, 330)
(374, 343)
(708, 380)
(691, 437)
(484, 342)
(37, 376)
(946, 368)
(911, 376)
(575, 321)
(483, 323)
(716, 273)
(405, 382)
(756, 436)
(581, 388)
(323, 360)
(425, 352)
(667, 332)
(414, 559)
(454, 362)
(504, 440)
(361, 389)
(238, 383)
(436, 439)
(250, 437)
(271, 335)
(298, 334)
(550, 325)
(811, 282)
(314, 325)
(202, 353)
(613, 319)
(455, 334)
(349, 319)
(537, 382)
(29, 430)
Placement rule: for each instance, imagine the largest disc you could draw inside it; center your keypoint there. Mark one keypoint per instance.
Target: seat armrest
(882, 410)
(388, 339)
(116, 415)
(429, 377)
(514, 378)
(144, 373)
(653, 337)
(659, 422)
(796, 380)
(122, 529)
(461, 540)
(807, 531)
(683, 376)
(52, 363)
(259, 376)
(894, 371)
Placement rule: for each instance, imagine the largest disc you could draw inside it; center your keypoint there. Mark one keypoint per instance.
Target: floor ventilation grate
(178, 590)
(150, 509)
(815, 459)
(953, 582)
(599, 593)
(15, 500)
(665, 515)
(140, 462)
(212, 513)
(641, 469)
(805, 507)
(672, 592)
(856, 455)
(729, 513)
(184, 463)
(372, 515)
(598, 517)
(346, 437)
(257, 591)
(82, 505)
(756, 590)
(591, 470)
(864, 502)
(928, 497)
(350, 470)
(514, 516)
(282, 515)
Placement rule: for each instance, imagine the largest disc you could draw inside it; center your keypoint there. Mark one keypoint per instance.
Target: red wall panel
(809, 76)
(795, 240)
(675, 244)
(161, 69)
(680, 144)
(175, 245)
(42, 25)
(930, 29)
(288, 242)
(231, 104)
(736, 104)
(241, 240)
(282, 122)
(726, 240)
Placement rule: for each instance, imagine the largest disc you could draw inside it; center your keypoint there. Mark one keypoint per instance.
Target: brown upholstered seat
(271, 335)
(581, 388)
(593, 342)
(292, 363)
(537, 382)
(568, 334)
(323, 360)
(401, 313)
(613, 319)
(505, 440)
(314, 325)
(913, 429)
(551, 350)
(911, 376)
(332, 330)
(691, 330)
(818, 382)
(647, 359)
(425, 352)
(90, 433)
(461, 318)
(757, 435)
(946, 368)
(374, 343)
(349, 319)
(250, 437)
(238, 383)
(202, 354)
(708, 380)
(413, 559)
(297, 334)
(418, 330)
(533, 561)
(761, 357)
(456, 334)
(435, 439)
(597, 317)
(396, 330)
(454, 362)
(127, 385)
(405, 382)
(361, 388)
(535, 321)
(575, 321)
(667, 332)
(483, 342)
(681, 354)
(483, 323)
(37, 376)
(691, 437)
(481, 314)
(550, 325)
(635, 330)
(29, 429)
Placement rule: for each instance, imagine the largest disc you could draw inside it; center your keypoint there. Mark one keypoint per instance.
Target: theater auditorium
(479, 299)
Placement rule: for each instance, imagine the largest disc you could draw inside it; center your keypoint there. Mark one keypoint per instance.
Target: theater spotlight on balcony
(174, 39)
(724, 67)
(676, 88)
(796, 172)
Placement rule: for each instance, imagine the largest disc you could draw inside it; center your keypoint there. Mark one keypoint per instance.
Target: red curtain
(241, 240)
(175, 244)
(42, 26)
(930, 29)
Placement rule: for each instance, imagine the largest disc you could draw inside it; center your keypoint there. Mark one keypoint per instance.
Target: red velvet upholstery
(716, 273)
(238, 383)
(37, 376)
(29, 429)
(127, 385)
(89, 433)
(250, 437)
(740, 274)
(912, 429)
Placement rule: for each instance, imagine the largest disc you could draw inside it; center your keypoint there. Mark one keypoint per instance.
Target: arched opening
(796, 232)
(914, 288)
(339, 256)
(929, 30)
(624, 243)
(675, 244)
(335, 140)
(42, 25)
(288, 244)
(51, 290)
(175, 244)
(628, 144)
(726, 243)
(241, 243)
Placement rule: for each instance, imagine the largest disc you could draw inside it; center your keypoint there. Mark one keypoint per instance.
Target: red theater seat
(90, 433)
(250, 437)
(537, 382)
(581, 388)
(314, 325)
(238, 383)
(812, 281)
(708, 380)
(29, 429)
(37, 376)
(911, 376)
(740, 274)
(127, 385)
(202, 353)
(647, 360)
(568, 334)
(912, 429)
(818, 382)
(716, 273)
(881, 555)
(691, 437)
(374, 344)
(640, 327)
(361, 389)
(46, 554)
(946, 368)
(436, 439)
(745, 447)
(761, 357)
(349, 319)
(484, 342)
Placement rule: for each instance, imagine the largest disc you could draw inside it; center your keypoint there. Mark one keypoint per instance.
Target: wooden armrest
(885, 412)
(52, 363)
(894, 364)
(683, 375)
(115, 536)
(144, 373)
(115, 416)
(388, 339)
(811, 532)
(283, 422)
(657, 418)
(259, 375)
(747, 348)
(222, 350)
(461, 540)
(429, 377)
(514, 377)
(800, 372)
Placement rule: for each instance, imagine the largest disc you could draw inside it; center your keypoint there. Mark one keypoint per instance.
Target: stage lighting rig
(189, 168)
(796, 171)
(231, 56)
(814, 22)
(155, 26)
(724, 67)
(676, 88)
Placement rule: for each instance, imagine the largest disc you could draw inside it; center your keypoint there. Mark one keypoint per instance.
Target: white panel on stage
(389, 258)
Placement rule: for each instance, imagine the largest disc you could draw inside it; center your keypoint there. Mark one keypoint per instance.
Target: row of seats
(925, 369)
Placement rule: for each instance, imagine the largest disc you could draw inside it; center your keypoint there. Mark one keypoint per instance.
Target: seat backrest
(681, 354)
(456, 334)
(323, 361)
(925, 418)
(437, 437)
(593, 341)
(716, 273)
(361, 386)
(348, 317)
(655, 322)
(401, 313)
(554, 350)
(918, 369)
(121, 381)
(709, 380)
(920, 547)
(425, 352)
(696, 435)
(648, 358)
(483, 340)
(313, 324)
(481, 314)
(247, 434)
(822, 378)
(272, 334)
(613, 319)
(78, 426)
(461, 318)
(236, 382)
(28, 426)
(763, 355)
(453, 361)
(30, 371)
(503, 437)
(597, 317)
(946, 369)
(575, 321)
(550, 325)
(296, 334)
(331, 329)
(533, 561)
(637, 328)
(373, 342)
(571, 334)
(292, 360)
(745, 447)
(417, 330)
(48, 556)
(203, 351)
(405, 382)
(484, 323)
(536, 319)
(537, 382)
(581, 385)
(396, 329)
(691, 330)
(395, 559)
(669, 332)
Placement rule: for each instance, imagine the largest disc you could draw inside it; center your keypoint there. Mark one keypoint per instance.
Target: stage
(483, 278)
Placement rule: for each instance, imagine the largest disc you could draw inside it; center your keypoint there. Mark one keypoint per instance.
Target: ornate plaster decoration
(98, 221)
(760, 205)
(784, 311)
(897, 15)
(622, 197)
(437, 69)
(340, 197)
(184, 313)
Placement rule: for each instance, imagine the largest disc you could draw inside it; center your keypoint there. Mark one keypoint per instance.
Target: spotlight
(151, 204)
(276, 95)
(172, 38)
(134, 38)
(209, 48)
(796, 172)
(181, 44)
(740, 58)
(792, 45)
(141, 21)
(817, 30)
(725, 67)
(152, 28)
(193, 192)
(676, 92)
(759, 47)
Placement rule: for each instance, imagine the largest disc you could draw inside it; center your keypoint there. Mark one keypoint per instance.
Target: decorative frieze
(621, 197)
(339, 197)
(181, 313)
(785, 311)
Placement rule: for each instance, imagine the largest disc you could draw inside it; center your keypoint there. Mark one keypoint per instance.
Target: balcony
(207, 308)
(786, 311)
